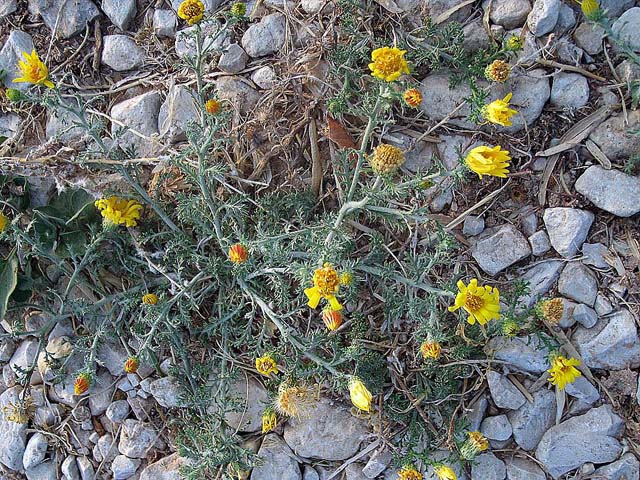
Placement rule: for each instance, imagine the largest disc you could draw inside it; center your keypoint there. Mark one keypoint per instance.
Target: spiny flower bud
(412, 97)
(13, 94)
(131, 365)
(332, 318)
(150, 299)
(514, 43)
(386, 159)
(497, 71)
(238, 9)
(238, 253)
(82, 383)
(430, 350)
(212, 106)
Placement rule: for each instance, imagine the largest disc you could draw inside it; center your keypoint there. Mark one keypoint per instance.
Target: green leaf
(8, 281)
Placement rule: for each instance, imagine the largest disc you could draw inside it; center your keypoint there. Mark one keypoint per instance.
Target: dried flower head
(191, 11)
(445, 472)
(326, 284)
(4, 222)
(213, 106)
(167, 181)
(238, 253)
(388, 63)
(238, 9)
(492, 161)
(20, 412)
(475, 444)
(514, 43)
(332, 318)
(150, 299)
(430, 350)
(82, 383)
(552, 310)
(481, 303)
(498, 111)
(119, 211)
(359, 394)
(412, 97)
(131, 365)
(33, 70)
(510, 328)
(563, 371)
(386, 159)
(497, 71)
(266, 365)
(409, 473)
(293, 401)
(269, 420)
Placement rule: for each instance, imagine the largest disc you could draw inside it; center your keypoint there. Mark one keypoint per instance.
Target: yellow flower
(386, 159)
(131, 365)
(499, 112)
(409, 473)
(563, 371)
(346, 279)
(332, 318)
(238, 9)
(4, 222)
(430, 350)
(325, 285)
(491, 161)
(497, 71)
(293, 401)
(481, 303)
(191, 11)
(388, 63)
(119, 211)
(33, 70)
(82, 383)
(475, 444)
(515, 43)
(590, 8)
(269, 420)
(238, 253)
(212, 106)
(413, 97)
(360, 395)
(552, 310)
(150, 299)
(266, 365)
(445, 473)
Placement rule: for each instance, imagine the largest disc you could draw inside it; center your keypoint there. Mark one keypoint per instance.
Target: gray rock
(124, 467)
(101, 392)
(264, 77)
(582, 389)
(7, 349)
(441, 456)
(614, 8)
(540, 278)
(566, 19)
(277, 461)
(475, 36)
(315, 6)
(121, 53)
(176, 112)
(8, 7)
(503, 392)
(106, 448)
(377, 464)
(354, 472)
(25, 357)
(238, 92)
(234, 59)
(69, 468)
(540, 243)
(578, 283)
(523, 469)
(438, 100)
(543, 16)
(310, 473)
(87, 472)
(213, 40)
(594, 254)
(568, 52)
(611, 190)
(585, 316)
(496, 428)
(476, 413)
(328, 432)
(65, 18)
(626, 28)
(252, 398)
(14, 437)
(509, 13)
(141, 114)
(44, 471)
(603, 305)
(436, 8)
(569, 90)
(473, 225)
(167, 468)
(528, 222)
(11, 53)
(567, 228)
(627, 468)
(612, 343)
(165, 23)
(120, 12)
(265, 37)
(166, 391)
(499, 248)
(118, 411)
(591, 437)
(36, 451)
(136, 438)
(533, 419)
(589, 36)
(615, 138)
(10, 125)
(527, 354)
(488, 467)
(63, 125)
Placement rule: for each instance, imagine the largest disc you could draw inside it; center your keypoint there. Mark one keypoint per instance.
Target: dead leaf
(338, 134)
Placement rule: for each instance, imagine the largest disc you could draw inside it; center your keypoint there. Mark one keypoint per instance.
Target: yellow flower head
(388, 63)
(497, 71)
(119, 211)
(590, 8)
(269, 420)
(412, 97)
(445, 473)
(131, 365)
(4, 222)
(491, 161)
(266, 365)
(475, 444)
(150, 299)
(515, 43)
(409, 473)
(360, 395)
(293, 401)
(238, 9)
(481, 303)
(238, 253)
(498, 111)
(212, 106)
(552, 310)
(332, 318)
(430, 350)
(326, 284)
(346, 279)
(386, 159)
(563, 371)
(82, 383)
(33, 70)
(191, 11)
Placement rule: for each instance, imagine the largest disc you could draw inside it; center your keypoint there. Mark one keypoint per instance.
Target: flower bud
(238, 253)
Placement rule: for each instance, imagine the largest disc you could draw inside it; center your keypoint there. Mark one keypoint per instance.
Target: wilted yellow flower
(409, 473)
(386, 159)
(590, 8)
(119, 211)
(510, 328)
(475, 444)
(269, 420)
(563, 371)
(191, 11)
(82, 383)
(488, 161)
(19, 412)
(131, 365)
(346, 279)
(430, 350)
(238, 253)
(293, 401)
(481, 303)
(499, 112)
(266, 365)
(325, 285)
(150, 299)
(515, 43)
(4, 221)
(445, 473)
(388, 63)
(238, 9)
(497, 71)
(360, 395)
(552, 310)
(412, 97)
(332, 318)
(212, 106)
(33, 70)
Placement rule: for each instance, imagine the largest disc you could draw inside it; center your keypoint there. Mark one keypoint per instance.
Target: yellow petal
(313, 295)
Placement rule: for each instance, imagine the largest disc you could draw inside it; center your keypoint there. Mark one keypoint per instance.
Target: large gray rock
(120, 12)
(63, 17)
(141, 114)
(439, 100)
(327, 432)
(594, 254)
(118, 411)
(167, 468)
(136, 438)
(540, 278)
(527, 354)
(265, 37)
(499, 248)
(488, 467)
(578, 283)
(626, 28)
(251, 399)
(100, 392)
(43, 471)
(176, 112)
(503, 392)
(611, 190)
(540, 243)
(569, 90)
(69, 469)
(277, 461)
(533, 419)
(627, 468)
(238, 92)
(121, 53)
(85, 467)
(588, 37)
(567, 228)
(582, 389)
(437, 8)
(509, 13)
(615, 138)
(378, 462)
(523, 469)
(16, 44)
(592, 437)
(36, 450)
(612, 343)
(13, 435)
(543, 16)
(614, 8)
(234, 59)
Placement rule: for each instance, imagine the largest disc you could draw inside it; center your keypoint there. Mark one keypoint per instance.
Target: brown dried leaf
(338, 134)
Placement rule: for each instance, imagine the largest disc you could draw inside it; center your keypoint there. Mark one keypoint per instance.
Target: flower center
(389, 64)
(326, 280)
(474, 302)
(192, 10)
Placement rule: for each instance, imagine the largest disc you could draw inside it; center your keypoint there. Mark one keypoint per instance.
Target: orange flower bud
(413, 97)
(82, 383)
(238, 253)
(131, 365)
(332, 318)
(212, 106)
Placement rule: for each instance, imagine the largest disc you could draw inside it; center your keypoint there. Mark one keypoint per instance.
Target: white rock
(36, 450)
(265, 37)
(567, 228)
(614, 8)
(124, 467)
(44, 471)
(64, 17)
(509, 13)
(176, 112)
(499, 248)
(87, 472)
(141, 114)
(539, 242)
(10, 125)
(278, 461)
(63, 125)
(120, 12)
(264, 77)
(252, 398)
(118, 411)
(136, 439)
(626, 28)
(165, 23)
(436, 8)
(603, 305)
(569, 90)
(25, 357)
(69, 468)
(11, 53)
(13, 435)
(167, 468)
(543, 16)
(314, 6)
(100, 392)
(234, 59)
(615, 138)
(611, 190)
(185, 45)
(121, 53)
(107, 448)
(7, 348)
(566, 19)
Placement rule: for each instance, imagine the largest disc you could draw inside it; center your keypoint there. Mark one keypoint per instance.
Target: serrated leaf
(8, 281)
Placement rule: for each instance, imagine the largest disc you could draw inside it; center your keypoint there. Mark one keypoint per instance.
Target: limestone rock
(523, 469)
(509, 13)
(166, 391)
(496, 428)
(589, 37)
(611, 190)
(540, 278)
(237, 91)
(265, 37)
(527, 354)
(136, 438)
(63, 17)
(626, 28)
(13, 435)
(438, 100)
(499, 248)
(277, 461)
(167, 468)
(185, 45)
(488, 467)
(569, 90)
(141, 114)
(8, 7)
(176, 112)
(121, 53)
(627, 468)
(252, 399)
(264, 77)
(36, 451)
(233, 60)
(533, 419)
(165, 23)
(503, 392)
(120, 12)
(614, 136)
(124, 467)
(11, 53)
(578, 283)
(540, 243)
(543, 16)
(567, 228)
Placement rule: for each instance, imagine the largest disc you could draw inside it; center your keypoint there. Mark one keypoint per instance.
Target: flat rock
(141, 114)
(626, 28)
(578, 283)
(167, 468)
(13, 434)
(10, 125)
(569, 90)
(71, 17)
(527, 354)
(488, 467)
(121, 53)
(588, 37)
(612, 343)
(252, 398)
(543, 17)
(614, 136)
(627, 468)
(237, 91)
(36, 450)
(120, 12)
(100, 392)
(567, 228)
(503, 392)
(499, 248)
(523, 469)
(377, 464)
(475, 414)
(509, 13)
(540, 278)
(328, 432)
(11, 53)
(264, 77)
(594, 254)
(439, 100)
(265, 37)
(178, 109)
(592, 437)
(496, 428)
(611, 190)
(69, 468)
(136, 438)
(533, 419)
(277, 461)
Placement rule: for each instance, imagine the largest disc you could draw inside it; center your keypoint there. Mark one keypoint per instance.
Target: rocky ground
(567, 223)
